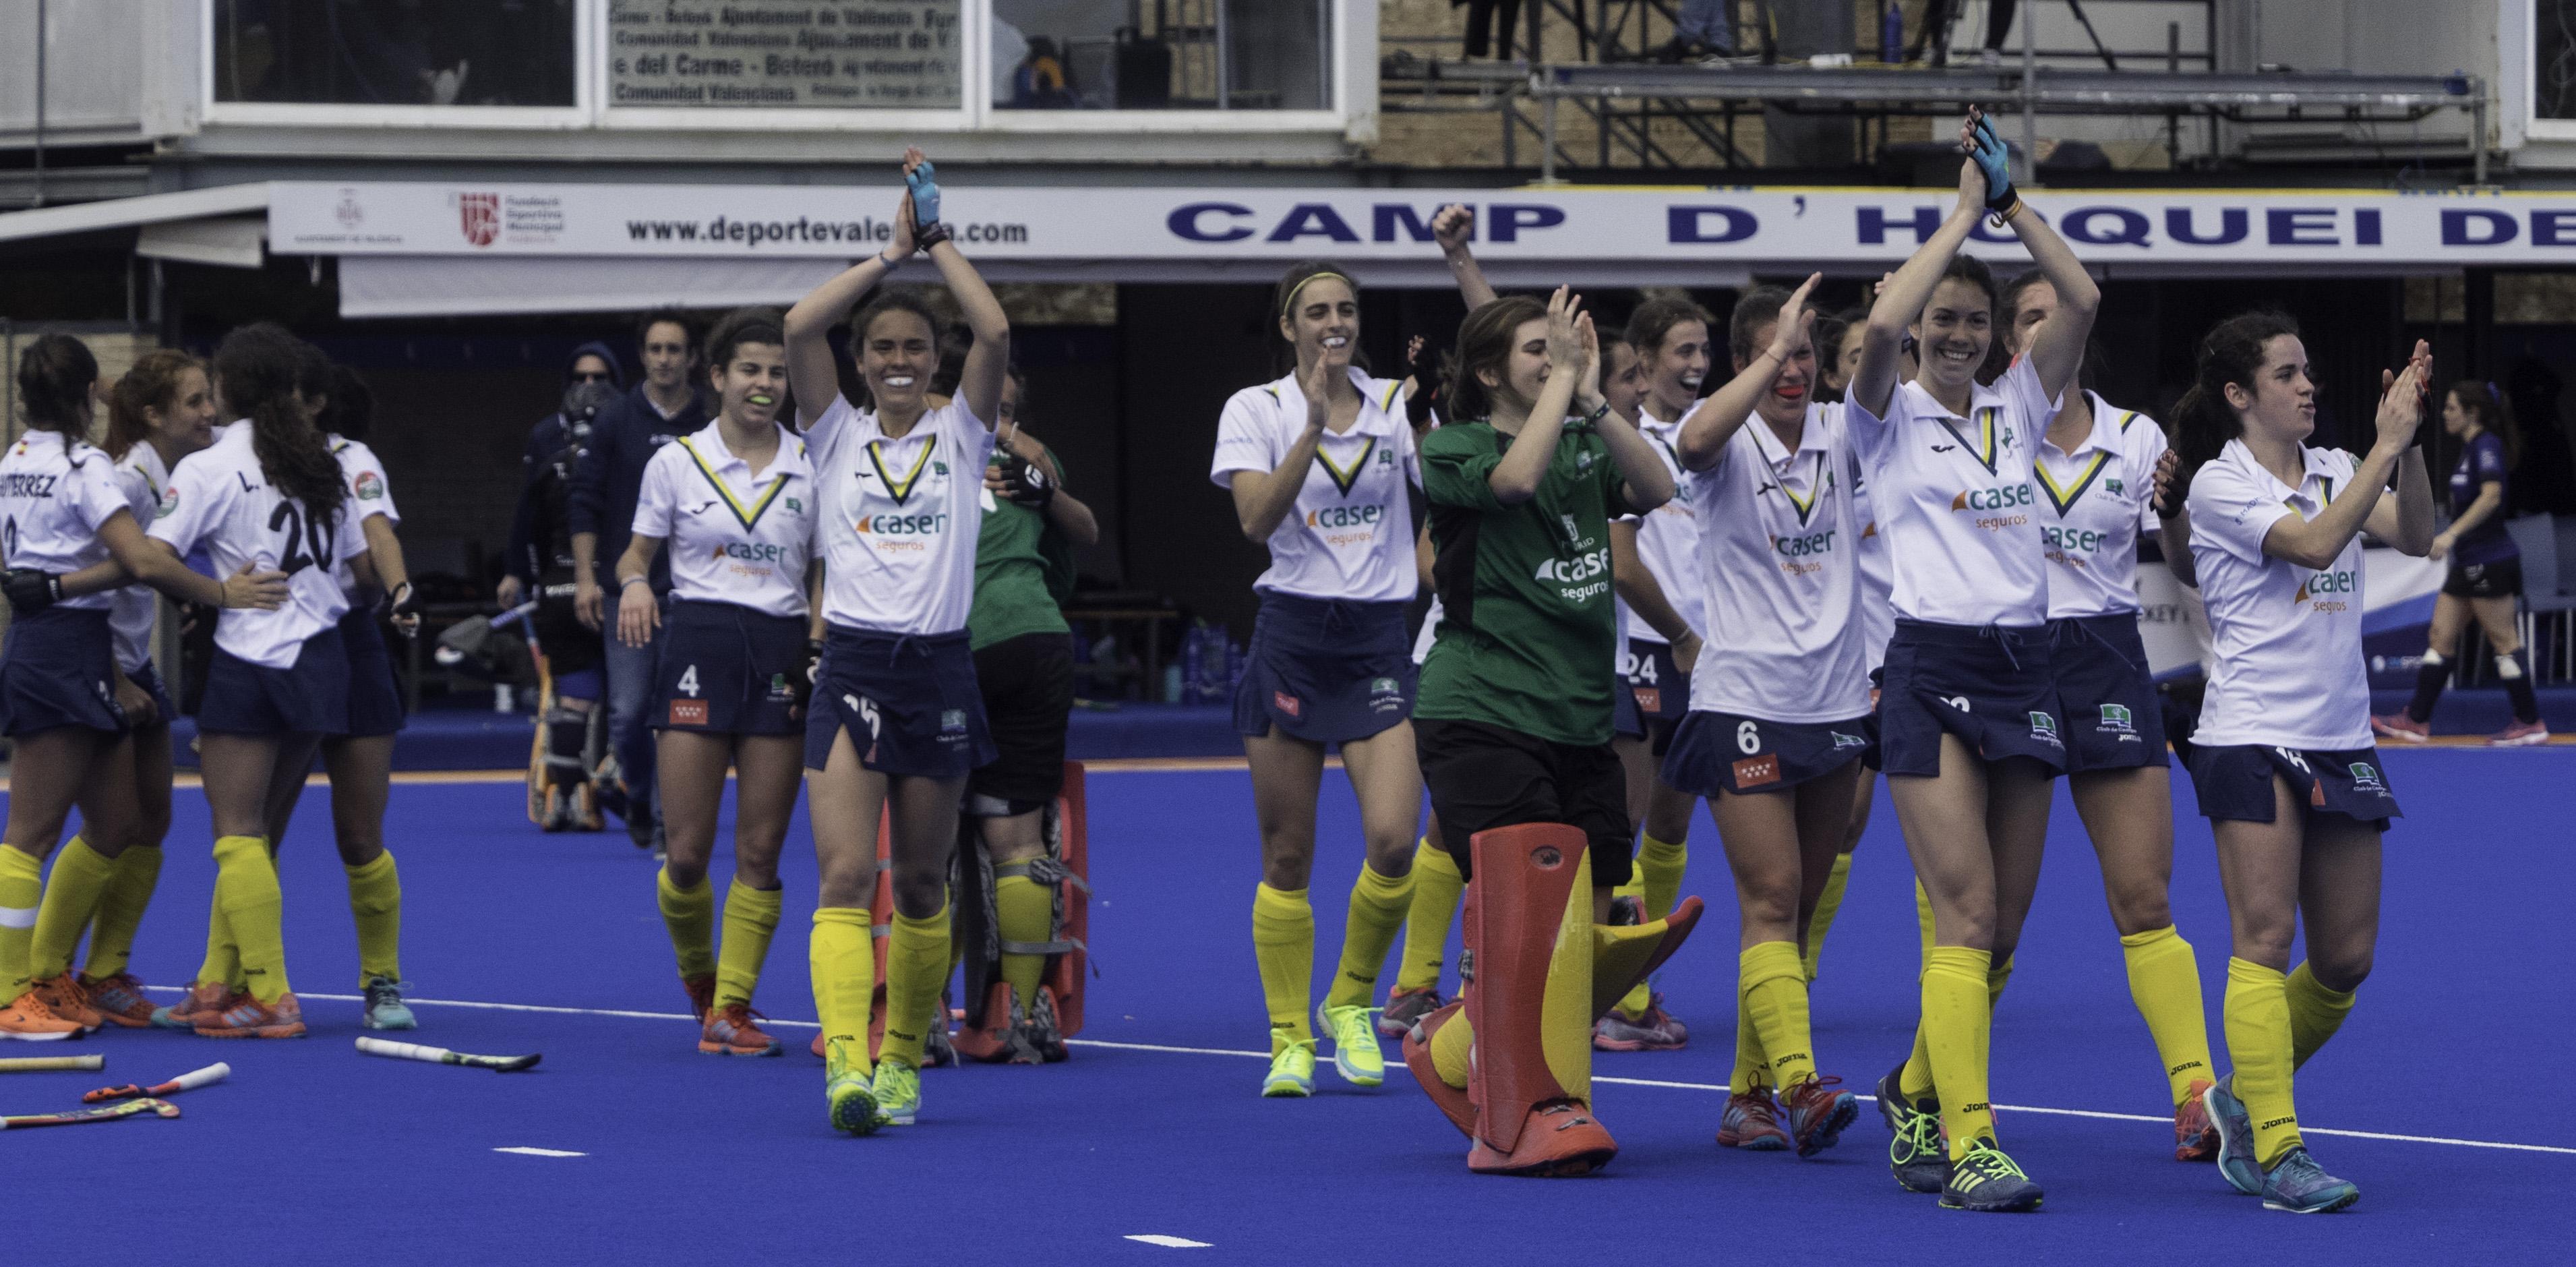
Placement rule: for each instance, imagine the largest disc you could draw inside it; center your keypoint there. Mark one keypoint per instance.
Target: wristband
(926, 236)
(632, 580)
(883, 258)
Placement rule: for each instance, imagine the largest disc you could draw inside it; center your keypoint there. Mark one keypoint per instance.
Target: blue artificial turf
(314, 1153)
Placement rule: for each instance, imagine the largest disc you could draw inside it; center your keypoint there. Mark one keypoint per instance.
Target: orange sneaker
(702, 994)
(2195, 1136)
(65, 997)
(30, 1020)
(731, 1031)
(205, 1001)
(119, 1000)
(250, 1018)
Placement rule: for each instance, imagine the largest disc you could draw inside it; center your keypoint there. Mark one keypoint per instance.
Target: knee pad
(1061, 869)
(982, 806)
(569, 744)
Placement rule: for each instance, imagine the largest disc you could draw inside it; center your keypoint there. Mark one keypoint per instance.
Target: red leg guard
(1452, 1101)
(986, 1035)
(1526, 1121)
(1628, 960)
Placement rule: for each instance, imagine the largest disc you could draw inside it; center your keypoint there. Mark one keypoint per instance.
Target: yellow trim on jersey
(901, 491)
(1387, 406)
(746, 517)
(1985, 449)
(2062, 498)
(1343, 479)
(1823, 480)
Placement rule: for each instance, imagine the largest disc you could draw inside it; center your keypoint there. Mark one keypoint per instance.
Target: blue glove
(924, 183)
(1995, 161)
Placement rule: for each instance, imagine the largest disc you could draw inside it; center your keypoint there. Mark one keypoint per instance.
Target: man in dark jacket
(527, 557)
(665, 406)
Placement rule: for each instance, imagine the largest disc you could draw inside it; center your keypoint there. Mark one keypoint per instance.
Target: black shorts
(375, 696)
(311, 697)
(1716, 752)
(1659, 687)
(910, 704)
(1325, 671)
(2114, 720)
(569, 645)
(57, 669)
(725, 669)
(2501, 578)
(2236, 782)
(1027, 684)
(1992, 687)
(1482, 777)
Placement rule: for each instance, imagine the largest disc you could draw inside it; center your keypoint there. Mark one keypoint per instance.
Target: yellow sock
(1955, 1021)
(1436, 886)
(2315, 1014)
(71, 897)
(2164, 981)
(120, 911)
(1565, 1014)
(1283, 941)
(1633, 1005)
(1659, 874)
(843, 960)
(246, 889)
(2259, 1046)
(1916, 1080)
(1450, 1048)
(1378, 907)
(750, 920)
(1997, 977)
(1751, 1070)
(22, 890)
(690, 917)
(223, 958)
(1923, 917)
(375, 902)
(1024, 911)
(1772, 987)
(916, 966)
(1828, 904)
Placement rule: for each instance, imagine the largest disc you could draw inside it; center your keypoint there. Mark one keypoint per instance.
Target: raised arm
(1902, 296)
(1453, 226)
(1263, 498)
(2057, 347)
(1649, 483)
(1517, 476)
(980, 386)
(2314, 543)
(811, 376)
(1705, 432)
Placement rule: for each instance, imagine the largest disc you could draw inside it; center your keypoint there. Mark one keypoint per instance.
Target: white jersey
(219, 498)
(1430, 632)
(2288, 638)
(370, 493)
(137, 607)
(2094, 503)
(54, 493)
(1877, 572)
(1777, 562)
(898, 518)
(733, 537)
(1957, 502)
(1668, 537)
(1350, 534)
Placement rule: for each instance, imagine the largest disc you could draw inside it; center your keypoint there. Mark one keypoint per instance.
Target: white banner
(2161, 229)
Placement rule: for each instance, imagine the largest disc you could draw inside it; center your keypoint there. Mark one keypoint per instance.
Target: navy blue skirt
(911, 704)
(57, 669)
(2235, 782)
(2114, 719)
(148, 678)
(311, 698)
(1325, 671)
(729, 670)
(1716, 752)
(375, 695)
(1993, 687)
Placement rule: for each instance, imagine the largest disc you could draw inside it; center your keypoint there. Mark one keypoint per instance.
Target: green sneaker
(898, 1092)
(1292, 1071)
(1984, 1179)
(849, 1091)
(385, 1007)
(1356, 1055)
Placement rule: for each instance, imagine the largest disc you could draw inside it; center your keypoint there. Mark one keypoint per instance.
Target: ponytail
(2494, 412)
(259, 368)
(2232, 352)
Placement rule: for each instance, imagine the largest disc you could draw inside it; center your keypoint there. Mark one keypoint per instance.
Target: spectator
(1490, 21)
(1704, 28)
(665, 406)
(528, 556)
(1040, 82)
(1938, 15)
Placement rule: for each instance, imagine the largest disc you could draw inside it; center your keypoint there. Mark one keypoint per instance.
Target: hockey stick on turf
(189, 1081)
(74, 1117)
(34, 1064)
(442, 1056)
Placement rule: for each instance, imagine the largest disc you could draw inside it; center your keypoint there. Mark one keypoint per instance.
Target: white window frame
(331, 114)
(2534, 125)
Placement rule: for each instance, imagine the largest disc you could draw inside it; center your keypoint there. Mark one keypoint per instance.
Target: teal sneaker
(897, 1088)
(2298, 1185)
(1984, 1179)
(1916, 1152)
(385, 1006)
(2235, 1137)
(1292, 1071)
(849, 1091)
(1356, 1055)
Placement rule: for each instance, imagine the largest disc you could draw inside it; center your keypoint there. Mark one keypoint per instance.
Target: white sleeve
(1246, 439)
(2232, 513)
(1870, 433)
(2021, 390)
(191, 506)
(97, 493)
(826, 429)
(351, 539)
(367, 482)
(656, 499)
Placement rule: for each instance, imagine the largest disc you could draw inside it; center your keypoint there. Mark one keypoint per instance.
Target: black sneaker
(1916, 1153)
(1984, 1179)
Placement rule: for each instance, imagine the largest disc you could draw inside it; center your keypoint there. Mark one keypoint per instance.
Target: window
(1162, 54)
(808, 54)
(2553, 80)
(395, 52)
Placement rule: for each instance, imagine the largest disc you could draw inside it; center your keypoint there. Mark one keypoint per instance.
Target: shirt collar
(2315, 469)
(1377, 397)
(709, 443)
(1811, 437)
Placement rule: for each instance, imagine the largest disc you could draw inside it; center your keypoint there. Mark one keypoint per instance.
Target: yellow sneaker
(1356, 1055)
(897, 1087)
(849, 1090)
(1292, 1071)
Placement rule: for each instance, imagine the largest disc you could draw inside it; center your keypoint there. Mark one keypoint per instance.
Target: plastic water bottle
(1193, 650)
(503, 701)
(1171, 684)
(1891, 32)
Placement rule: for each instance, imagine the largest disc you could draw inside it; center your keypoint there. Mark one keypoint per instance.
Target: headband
(1290, 303)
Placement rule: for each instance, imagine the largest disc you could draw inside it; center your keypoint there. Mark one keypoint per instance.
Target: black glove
(1024, 481)
(926, 236)
(403, 605)
(31, 591)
